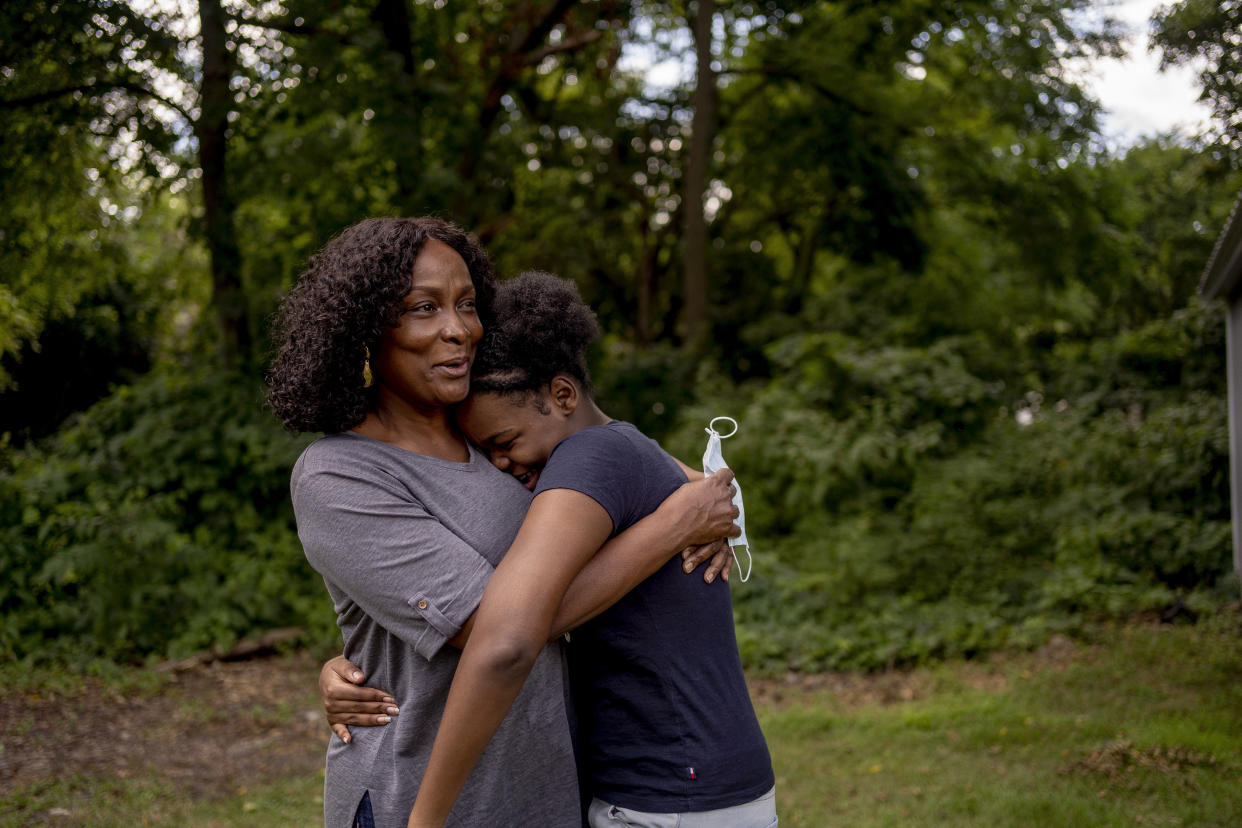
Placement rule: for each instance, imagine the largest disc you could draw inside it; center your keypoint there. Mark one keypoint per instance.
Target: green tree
(73, 107)
(1207, 34)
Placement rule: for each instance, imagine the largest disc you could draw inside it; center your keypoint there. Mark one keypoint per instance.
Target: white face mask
(713, 461)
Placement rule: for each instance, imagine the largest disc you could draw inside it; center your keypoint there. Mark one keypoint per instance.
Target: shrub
(900, 512)
(156, 523)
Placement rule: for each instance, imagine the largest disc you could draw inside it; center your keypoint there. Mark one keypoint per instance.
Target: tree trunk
(226, 288)
(648, 249)
(402, 130)
(694, 244)
(804, 264)
(511, 63)
(393, 17)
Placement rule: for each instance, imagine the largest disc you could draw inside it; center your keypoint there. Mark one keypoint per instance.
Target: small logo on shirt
(690, 773)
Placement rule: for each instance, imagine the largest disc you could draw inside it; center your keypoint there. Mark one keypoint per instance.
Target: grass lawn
(1141, 726)
(1144, 727)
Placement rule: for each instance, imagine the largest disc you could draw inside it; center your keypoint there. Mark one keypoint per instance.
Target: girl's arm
(701, 508)
(692, 518)
(521, 608)
(563, 529)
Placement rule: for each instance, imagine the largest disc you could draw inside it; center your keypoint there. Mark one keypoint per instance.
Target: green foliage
(976, 405)
(83, 143)
(901, 512)
(645, 386)
(841, 420)
(155, 524)
(1207, 35)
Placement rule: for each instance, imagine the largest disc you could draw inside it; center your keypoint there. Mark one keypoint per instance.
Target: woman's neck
(429, 431)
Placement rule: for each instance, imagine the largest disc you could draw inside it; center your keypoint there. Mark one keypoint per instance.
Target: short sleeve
(601, 464)
(370, 537)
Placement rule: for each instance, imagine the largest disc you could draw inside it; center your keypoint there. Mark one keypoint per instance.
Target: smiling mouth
(528, 479)
(459, 367)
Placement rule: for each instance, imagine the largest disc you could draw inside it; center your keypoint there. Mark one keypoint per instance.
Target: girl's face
(518, 431)
(425, 360)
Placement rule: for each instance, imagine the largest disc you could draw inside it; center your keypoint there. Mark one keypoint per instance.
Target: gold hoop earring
(367, 379)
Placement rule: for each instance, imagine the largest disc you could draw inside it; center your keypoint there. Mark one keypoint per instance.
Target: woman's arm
(691, 474)
(521, 607)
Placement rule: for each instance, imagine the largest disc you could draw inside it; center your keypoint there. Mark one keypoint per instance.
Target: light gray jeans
(760, 813)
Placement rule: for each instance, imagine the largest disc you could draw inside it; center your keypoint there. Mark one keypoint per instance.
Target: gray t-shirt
(405, 544)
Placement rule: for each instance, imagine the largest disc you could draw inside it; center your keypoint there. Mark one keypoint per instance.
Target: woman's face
(425, 360)
(514, 430)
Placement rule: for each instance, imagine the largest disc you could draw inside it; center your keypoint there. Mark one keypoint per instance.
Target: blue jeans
(760, 813)
(363, 818)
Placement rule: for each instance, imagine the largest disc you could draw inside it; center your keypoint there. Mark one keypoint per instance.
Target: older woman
(406, 521)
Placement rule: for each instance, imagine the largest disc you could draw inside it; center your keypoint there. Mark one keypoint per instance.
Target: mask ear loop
(711, 427)
(734, 542)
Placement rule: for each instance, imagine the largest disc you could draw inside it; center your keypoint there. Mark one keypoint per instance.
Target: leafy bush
(900, 511)
(156, 523)
(644, 385)
(838, 422)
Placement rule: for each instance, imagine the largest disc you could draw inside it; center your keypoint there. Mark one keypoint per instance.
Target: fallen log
(244, 649)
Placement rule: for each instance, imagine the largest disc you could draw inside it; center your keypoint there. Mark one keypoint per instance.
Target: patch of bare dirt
(210, 730)
(849, 690)
(897, 686)
(216, 727)
(1123, 765)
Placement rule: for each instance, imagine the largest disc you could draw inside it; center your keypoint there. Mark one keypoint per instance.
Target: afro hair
(349, 293)
(542, 328)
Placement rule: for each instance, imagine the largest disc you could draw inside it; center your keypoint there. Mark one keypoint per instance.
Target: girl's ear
(564, 394)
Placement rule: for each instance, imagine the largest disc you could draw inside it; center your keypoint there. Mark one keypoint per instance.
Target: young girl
(666, 731)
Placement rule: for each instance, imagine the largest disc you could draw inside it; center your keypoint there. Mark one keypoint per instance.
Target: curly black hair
(542, 328)
(350, 292)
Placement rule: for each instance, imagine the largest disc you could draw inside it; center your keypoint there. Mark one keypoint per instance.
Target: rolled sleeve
(444, 615)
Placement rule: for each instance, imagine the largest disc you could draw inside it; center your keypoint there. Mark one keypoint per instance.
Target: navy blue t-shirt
(664, 718)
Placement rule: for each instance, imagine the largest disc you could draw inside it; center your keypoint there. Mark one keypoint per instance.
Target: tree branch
(128, 86)
(789, 74)
(512, 62)
(780, 73)
(539, 32)
(567, 45)
(290, 27)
